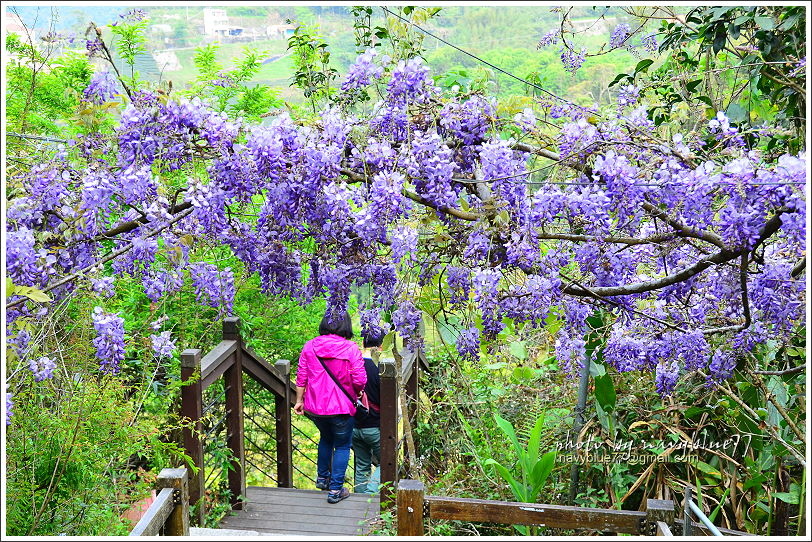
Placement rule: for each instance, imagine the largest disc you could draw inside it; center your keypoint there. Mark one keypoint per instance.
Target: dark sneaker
(322, 483)
(335, 496)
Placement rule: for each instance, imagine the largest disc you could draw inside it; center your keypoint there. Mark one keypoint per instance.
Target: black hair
(340, 325)
(373, 340)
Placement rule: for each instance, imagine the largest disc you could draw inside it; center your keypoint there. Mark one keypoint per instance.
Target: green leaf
(715, 511)
(789, 498)
(507, 429)
(736, 113)
(719, 38)
(388, 340)
(605, 393)
(765, 23)
(707, 469)
(32, 293)
(596, 369)
(518, 350)
(523, 373)
(619, 78)
(643, 66)
(541, 471)
(691, 85)
(519, 491)
(692, 411)
(534, 442)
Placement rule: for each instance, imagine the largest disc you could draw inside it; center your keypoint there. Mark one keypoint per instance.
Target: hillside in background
(506, 37)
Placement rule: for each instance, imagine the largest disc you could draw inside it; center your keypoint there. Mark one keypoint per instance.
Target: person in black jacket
(366, 437)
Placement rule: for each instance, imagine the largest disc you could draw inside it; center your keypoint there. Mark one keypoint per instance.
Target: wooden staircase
(303, 512)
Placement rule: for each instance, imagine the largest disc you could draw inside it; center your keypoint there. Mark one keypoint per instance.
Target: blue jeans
(334, 447)
(366, 443)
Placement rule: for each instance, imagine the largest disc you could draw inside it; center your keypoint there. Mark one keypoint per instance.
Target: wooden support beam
(658, 511)
(192, 408)
(177, 524)
(284, 433)
(235, 429)
(410, 507)
(389, 430)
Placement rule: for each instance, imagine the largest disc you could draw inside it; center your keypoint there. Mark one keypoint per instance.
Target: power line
(497, 68)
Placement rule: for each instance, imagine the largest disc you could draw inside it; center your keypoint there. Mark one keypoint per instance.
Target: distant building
(280, 31)
(215, 22)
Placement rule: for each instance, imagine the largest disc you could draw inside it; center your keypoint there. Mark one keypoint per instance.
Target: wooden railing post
(686, 515)
(410, 507)
(284, 434)
(178, 479)
(389, 430)
(235, 430)
(658, 511)
(191, 406)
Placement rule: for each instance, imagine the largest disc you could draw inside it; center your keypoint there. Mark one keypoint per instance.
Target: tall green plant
(533, 468)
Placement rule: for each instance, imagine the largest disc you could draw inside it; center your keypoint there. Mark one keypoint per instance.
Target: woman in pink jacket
(319, 398)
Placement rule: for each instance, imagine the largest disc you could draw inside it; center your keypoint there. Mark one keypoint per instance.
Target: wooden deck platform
(303, 512)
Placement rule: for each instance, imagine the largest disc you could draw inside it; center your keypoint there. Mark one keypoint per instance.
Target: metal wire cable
(497, 68)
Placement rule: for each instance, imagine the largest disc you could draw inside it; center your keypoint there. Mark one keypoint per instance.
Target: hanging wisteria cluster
(689, 245)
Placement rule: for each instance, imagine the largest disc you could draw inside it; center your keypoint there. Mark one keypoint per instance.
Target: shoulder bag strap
(342, 388)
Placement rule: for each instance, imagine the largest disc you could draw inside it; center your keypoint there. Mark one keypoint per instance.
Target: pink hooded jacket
(322, 397)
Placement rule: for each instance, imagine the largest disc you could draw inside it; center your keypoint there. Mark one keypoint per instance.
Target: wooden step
(304, 512)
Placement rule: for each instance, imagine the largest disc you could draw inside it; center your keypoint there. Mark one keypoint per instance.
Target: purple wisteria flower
(666, 375)
(94, 47)
(550, 38)
(406, 320)
(102, 88)
(570, 351)
(720, 368)
(628, 95)
(361, 73)
(526, 119)
(9, 405)
(459, 282)
(156, 325)
(134, 15)
(213, 286)
(721, 128)
(649, 43)
(572, 59)
(468, 343)
(485, 283)
(42, 368)
(403, 241)
(371, 323)
(109, 340)
(619, 35)
(162, 344)
(21, 342)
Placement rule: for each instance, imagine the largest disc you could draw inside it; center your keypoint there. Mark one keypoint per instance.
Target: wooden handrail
(549, 515)
(413, 506)
(156, 515)
(216, 362)
(230, 359)
(266, 374)
(169, 512)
